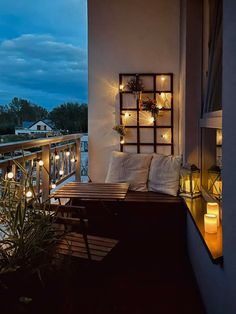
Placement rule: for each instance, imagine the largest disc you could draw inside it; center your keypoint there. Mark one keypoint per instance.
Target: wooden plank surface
(73, 244)
(116, 191)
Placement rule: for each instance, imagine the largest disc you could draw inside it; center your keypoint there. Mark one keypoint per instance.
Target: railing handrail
(12, 146)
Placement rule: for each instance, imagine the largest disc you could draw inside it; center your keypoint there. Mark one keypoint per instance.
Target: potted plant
(27, 235)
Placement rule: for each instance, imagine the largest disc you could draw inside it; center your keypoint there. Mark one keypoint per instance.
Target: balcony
(50, 161)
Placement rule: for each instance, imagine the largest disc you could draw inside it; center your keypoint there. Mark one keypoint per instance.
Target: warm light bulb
(41, 163)
(29, 194)
(151, 119)
(163, 78)
(122, 141)
(164, 136)
(57, 157)
(163, 94)
(67, 153)
(127, 115)
(72, 159)
(121, 86)
(10, 175)
(61, 172)
(53, 185)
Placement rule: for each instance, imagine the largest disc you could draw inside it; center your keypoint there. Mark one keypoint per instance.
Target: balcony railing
(49, 161)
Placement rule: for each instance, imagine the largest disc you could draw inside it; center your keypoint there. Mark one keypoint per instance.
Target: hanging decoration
(150, 105)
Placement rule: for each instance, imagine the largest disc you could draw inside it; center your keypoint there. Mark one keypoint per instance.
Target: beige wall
(126, 36)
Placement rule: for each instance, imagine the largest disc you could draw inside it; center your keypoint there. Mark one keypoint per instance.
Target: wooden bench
(149, 219)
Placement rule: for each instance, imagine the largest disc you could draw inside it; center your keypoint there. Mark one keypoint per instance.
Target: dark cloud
(40, 62)
(43, 51)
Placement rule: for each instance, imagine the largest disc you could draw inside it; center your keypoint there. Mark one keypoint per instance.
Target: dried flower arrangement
(135, 85)
(120, 129)
(150, 105)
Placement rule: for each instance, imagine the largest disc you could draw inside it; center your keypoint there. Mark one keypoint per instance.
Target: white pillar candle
(210, 223)
(213, 208)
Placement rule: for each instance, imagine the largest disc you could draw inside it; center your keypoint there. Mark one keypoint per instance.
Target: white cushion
(164, 174)
(131, 168)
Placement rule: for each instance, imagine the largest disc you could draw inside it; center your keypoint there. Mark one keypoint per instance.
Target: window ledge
(212, 242)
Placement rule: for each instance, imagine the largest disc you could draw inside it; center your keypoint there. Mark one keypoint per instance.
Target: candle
(213, 208)
(210, 223)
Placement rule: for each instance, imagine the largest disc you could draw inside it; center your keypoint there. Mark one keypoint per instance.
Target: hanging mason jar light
(190, 181)
(215, 181)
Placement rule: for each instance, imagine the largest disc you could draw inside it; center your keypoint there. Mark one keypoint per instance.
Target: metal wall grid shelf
(137, 126)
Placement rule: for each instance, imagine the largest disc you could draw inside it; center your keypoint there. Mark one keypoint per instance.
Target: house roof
(29, 124)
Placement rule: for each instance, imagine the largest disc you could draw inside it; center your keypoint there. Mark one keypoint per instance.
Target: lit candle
(210, 223)
(213, 208)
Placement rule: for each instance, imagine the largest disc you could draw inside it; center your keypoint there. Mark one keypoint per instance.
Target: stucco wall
(126, 36)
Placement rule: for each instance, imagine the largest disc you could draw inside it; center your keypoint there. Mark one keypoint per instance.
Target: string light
(68, 153)
(29, 194)
(10, 175)
(73, 159)
(122, 141)
(41, 163)
(163, 78)
(151, 119)
(57, 156)
(61, 172)
(121, 87)
(53, 185)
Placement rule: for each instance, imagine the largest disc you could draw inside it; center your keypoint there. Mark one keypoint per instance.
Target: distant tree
(7, 123)
(70, 116)
(22, 109)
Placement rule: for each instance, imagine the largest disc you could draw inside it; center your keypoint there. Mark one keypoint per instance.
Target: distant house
(41, 126)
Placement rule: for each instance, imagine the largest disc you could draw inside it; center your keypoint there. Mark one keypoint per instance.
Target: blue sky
(43, 51)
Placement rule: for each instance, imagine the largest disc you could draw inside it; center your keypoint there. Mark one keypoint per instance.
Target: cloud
(40, 62)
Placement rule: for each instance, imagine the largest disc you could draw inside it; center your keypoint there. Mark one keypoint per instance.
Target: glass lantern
(190, 181)
(215, 182)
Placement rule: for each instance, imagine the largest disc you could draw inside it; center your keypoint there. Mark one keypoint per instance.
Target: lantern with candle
(215, 182)
(190, 181)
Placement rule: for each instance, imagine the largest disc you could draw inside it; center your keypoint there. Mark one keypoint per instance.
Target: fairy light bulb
(68, 154)
(72, 159)
(41, 163)
(61, 172)
(163, 78)
(57, 157)
(127, 115)
(121, 87)
(122, 141)
(10, 175)
(163, 95)
(164, 136)
(53, 185)
(151, 119)
(29, 194)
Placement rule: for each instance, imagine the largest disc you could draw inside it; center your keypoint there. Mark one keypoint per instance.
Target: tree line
(69, 117)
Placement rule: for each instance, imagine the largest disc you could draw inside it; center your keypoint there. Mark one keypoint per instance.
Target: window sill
(212, 242)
